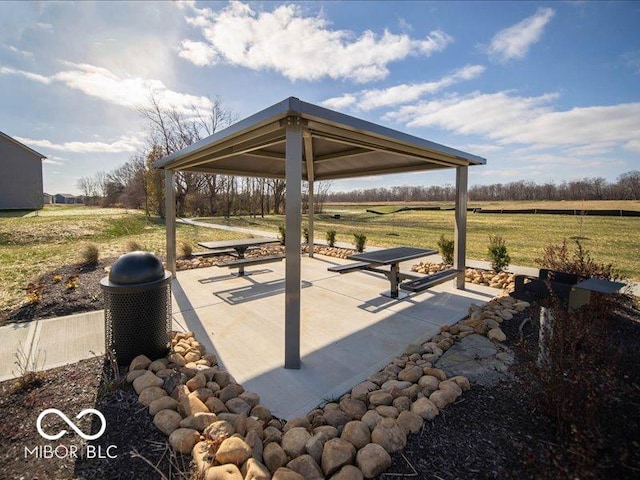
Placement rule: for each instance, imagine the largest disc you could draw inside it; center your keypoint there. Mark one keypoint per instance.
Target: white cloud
(509, 119)
(407, 92)
(131, 92)
(54, 160)
(515, 41)
(124, 144)
(298, 46)
(13, 49)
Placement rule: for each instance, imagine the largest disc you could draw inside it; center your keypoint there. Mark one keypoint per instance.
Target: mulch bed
(66, 290)
(497, 432)
(71, 389)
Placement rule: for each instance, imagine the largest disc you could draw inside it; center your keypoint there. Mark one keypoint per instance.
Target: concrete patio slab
(347, 330)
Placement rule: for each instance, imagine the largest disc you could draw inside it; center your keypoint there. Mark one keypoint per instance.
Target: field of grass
(33, 243)
(608, 239)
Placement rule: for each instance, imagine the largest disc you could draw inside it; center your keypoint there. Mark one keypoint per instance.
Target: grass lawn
(33, 243)
(608, 239)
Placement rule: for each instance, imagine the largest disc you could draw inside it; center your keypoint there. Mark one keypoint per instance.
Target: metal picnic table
(392, 257)
(240, 246)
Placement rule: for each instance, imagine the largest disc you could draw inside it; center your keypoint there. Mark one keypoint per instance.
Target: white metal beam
(308, 155)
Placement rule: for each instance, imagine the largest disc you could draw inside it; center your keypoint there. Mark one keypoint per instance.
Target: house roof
(339, 145)
(22, 145)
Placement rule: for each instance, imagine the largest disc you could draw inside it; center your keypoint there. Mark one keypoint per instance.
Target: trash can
(137, 307)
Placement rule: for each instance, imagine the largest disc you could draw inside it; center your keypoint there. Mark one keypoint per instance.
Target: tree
(629, 185)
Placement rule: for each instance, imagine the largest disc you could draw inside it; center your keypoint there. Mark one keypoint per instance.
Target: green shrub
(186, 249)
(498, 253)
(89, 254)
(305, 234)
(282, 233)
(331, 238)
(359, 240)
(446, 249)
(558, 257)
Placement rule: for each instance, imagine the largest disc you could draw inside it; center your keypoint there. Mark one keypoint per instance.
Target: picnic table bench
(240, 247)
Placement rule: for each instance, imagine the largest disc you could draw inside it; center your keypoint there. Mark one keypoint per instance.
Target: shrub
(498, 253)
(133, 246)
(446, 249)
(359, 240)
(558, 257)
(305, 234)
(89, 254)
(331, 238)
(282, 233)
(186, 249)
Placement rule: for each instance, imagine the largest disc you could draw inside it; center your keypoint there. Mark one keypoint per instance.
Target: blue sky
(546, 91)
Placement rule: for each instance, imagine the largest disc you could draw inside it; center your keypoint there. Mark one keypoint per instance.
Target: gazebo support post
(293, 197)
(460, 249)
(170, 219)
(308, 154)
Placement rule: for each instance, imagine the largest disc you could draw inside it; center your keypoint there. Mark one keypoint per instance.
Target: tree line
(137, 185)
(626, 187)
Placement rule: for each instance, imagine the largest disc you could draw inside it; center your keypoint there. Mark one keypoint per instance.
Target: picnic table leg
(393, 278)
(241, 252)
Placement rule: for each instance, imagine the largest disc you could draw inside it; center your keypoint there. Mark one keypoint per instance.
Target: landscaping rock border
(230, 435)
(477, 276)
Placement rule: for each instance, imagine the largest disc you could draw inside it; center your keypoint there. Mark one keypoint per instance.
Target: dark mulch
(71, 389)
(501, 432)
(66, 290)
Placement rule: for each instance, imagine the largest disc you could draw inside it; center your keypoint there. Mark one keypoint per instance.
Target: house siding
(21, 179)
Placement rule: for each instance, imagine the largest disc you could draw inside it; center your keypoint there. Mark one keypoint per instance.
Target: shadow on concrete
(229, 276)
(239, 295)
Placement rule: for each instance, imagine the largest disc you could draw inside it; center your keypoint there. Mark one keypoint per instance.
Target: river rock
(306, 466)
(336, 453)
(380, 397)
(361, 391)
(286, 474)
(183, 440)
(356, 433)
(389, 435)
(348, 472)
(219, 430)
(294, 440)
(162, 403)
(167, 421)
(409, 422)
(191, 404)
(150, 394)
(410, 374)
(145, 381)
(372, 460)
(371, 419)
(496, 334)
(237, 405)
(141, 362)
(224, 472)
(254, 470)
(425, 408)
(354, 408)
(233, 450)
(274, 456)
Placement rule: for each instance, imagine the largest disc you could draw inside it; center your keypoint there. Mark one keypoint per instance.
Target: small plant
(282, 233)
(331, 238)
(498, 253)
(305, 234)
(57, 278)
(558, 257)
(446, 249)
(359, 240)
(133, 246)
(72, 282)
(186, 250)
(26, 369)
(89, 254)
(34, 293)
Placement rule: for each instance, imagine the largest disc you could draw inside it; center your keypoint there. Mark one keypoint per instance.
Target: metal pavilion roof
(342, 146)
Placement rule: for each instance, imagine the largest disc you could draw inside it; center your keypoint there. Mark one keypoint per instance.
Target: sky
(545, 91)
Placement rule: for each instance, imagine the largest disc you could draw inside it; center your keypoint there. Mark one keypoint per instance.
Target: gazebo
(300, 141)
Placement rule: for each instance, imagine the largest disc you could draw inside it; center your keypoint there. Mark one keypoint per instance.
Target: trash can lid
(136, 267)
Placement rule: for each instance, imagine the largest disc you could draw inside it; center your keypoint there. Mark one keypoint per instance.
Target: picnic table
(241, 246)
(391, 257)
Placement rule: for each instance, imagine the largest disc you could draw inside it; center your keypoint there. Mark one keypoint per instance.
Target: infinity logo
(84, 412)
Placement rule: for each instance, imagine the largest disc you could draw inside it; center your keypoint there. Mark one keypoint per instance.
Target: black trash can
(137, 307)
